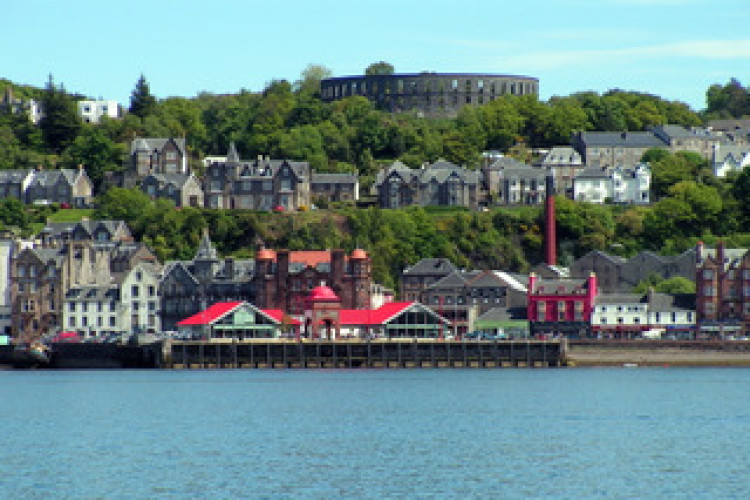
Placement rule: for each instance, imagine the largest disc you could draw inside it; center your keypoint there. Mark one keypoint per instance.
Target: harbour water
(423, 433)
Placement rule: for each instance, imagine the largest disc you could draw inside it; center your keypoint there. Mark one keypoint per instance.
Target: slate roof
(618, 298)
(13, 176)
(431, 267)
(559, 286)
(594, 173)
(206, 250)
(57, 229)
(439, 171)
(48, 254)
(621, 139)
(267, 168)
(722, 153)
(176, 180)
(453, 280)
(93, 293)
(150, 144)
(665, 302)
(333, 179)
(497, 314)
(562, 155)
(48, 178)
(657, 302)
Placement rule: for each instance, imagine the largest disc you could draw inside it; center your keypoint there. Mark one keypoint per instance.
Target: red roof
(310, 258)
(278, 315)
(208, 316)
(322, 292)
(372, 316)
(358, 253)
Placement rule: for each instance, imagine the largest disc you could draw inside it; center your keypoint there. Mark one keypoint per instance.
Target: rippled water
(505, 433)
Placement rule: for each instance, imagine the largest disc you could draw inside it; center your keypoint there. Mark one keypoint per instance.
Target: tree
(142, 103)
(309, 82)
(730, 100)
(130, 205)
(96, 152)
(60, 123)
(379, 68)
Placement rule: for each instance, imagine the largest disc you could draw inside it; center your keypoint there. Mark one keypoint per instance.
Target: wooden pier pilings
(394, 353)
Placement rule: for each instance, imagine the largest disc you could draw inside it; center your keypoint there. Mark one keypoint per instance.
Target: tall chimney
(550, 236)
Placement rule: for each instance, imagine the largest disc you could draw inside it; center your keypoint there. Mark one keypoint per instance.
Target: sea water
(415, 433)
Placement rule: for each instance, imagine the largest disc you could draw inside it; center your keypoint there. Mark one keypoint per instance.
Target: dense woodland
(288, 120)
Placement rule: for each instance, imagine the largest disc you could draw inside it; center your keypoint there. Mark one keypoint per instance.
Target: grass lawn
(70, 214)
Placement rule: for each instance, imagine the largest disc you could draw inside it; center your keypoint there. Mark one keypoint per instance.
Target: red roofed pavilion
(237, 320)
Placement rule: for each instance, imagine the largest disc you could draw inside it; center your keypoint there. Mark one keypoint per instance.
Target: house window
(72, 306)
(134, 290)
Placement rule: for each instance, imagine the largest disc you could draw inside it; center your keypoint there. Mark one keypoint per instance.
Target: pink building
(561, 306)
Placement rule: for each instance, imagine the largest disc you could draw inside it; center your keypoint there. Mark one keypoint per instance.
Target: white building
(92, 111)
(730, 159)
(129, 305)
(627, 315)
(6, 249)
(617, 184)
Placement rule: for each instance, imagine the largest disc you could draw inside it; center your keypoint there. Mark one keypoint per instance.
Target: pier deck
(394, 353)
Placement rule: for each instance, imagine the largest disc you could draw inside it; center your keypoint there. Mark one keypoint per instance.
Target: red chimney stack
(550, 236)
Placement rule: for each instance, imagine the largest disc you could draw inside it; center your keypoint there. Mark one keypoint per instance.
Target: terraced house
(439, 184)
(43, 275)
(66, 186)
(260, 184)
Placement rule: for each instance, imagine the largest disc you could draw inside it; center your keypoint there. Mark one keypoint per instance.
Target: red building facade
(284, 278)
(561, 306)
(722, 291)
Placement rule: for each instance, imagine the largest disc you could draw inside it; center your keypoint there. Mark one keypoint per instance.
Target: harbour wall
(641, 352)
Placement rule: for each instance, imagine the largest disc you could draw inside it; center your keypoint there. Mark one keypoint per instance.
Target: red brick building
(722, 291)
(284, 278)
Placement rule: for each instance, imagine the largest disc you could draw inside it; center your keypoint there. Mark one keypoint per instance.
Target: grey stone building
(614, 149)
(97, 231)
(183, 189)
(565, 163)
(697, 140)
(188, 287)
(334, 187)
(618, 274)
(509, 182)
(151, 155)
(261, 184)
(428, 93)
(42, 274)
(439, 184)
(71, 187)
(459, 295)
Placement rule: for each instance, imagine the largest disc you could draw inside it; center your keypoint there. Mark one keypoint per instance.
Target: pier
(350, 354)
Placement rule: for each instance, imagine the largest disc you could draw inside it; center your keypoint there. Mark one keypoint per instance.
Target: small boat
(31, 355)
(630, 365)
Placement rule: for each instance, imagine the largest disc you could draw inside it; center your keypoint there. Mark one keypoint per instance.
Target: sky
(675, 49)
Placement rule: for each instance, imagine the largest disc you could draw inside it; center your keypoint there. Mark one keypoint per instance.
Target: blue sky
(672, 48)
